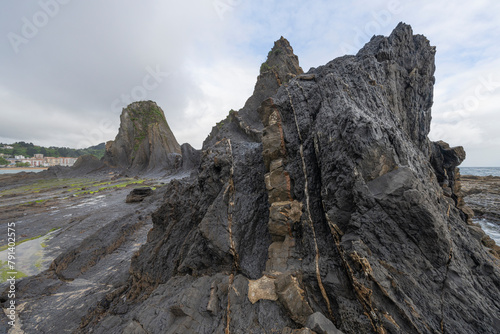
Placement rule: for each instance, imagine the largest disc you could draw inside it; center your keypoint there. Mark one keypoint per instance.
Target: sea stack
(144, 142)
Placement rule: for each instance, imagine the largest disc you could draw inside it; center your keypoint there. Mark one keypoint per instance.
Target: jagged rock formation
(445, 160)
(281, 66)
(329, 214)
(321, 206)
(482, 195)
(144, 141)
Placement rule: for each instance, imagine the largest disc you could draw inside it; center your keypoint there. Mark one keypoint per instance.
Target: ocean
(480, 171)
(13, 171)
(491, 228)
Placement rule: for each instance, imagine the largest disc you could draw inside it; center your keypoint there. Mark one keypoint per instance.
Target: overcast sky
(68, 67)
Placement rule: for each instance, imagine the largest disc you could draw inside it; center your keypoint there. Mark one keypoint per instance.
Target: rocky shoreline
(482, 195)
(95, 235)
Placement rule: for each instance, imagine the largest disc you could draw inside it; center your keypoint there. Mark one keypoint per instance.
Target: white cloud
(91, 53)
(224, 85)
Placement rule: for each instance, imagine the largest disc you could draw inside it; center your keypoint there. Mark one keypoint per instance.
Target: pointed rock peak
(402, 28)
(281, 66)
(282, 61)
(401, 43)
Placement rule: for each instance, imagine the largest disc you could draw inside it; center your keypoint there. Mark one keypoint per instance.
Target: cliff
(319, 207)
(328, 216)
(144, 141)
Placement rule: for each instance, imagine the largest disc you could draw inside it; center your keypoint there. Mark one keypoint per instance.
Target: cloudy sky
(68, 67)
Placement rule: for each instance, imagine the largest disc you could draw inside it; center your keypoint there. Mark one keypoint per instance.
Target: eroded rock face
(144, 141)
(316, 205)
(445, 160)
(280, 67)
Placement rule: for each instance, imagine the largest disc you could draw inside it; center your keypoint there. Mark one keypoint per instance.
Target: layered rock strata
(144, 141)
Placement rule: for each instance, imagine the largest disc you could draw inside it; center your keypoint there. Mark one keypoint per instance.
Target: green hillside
(29, 150)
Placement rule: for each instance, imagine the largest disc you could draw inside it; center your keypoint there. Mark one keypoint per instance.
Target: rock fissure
(309, 217)
(448, 263)
(227, 330)
(361, 292)
(230, 191)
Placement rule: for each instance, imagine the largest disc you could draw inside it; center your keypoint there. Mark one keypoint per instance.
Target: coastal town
(38, 160)
(28, 155)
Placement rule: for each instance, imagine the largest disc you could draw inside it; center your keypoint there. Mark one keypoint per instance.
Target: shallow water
(13, 171)
(480, 171)
(491, 228)
(29, 256)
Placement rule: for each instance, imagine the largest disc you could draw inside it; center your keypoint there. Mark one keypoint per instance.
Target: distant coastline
(23, 168)
(480, 171)
(15, 170)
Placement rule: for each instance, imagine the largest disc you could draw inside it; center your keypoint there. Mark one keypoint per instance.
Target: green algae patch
(110, 185)
(27, 257)
(2, 248)
(5, 272)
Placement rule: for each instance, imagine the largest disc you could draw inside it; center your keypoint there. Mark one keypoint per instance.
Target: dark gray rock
(138, 194)
(482, 194)
(4, 323)
(190, 157)
(144, 142)
(378, 226)
(280, 67)
(321, 325)
(87, 164)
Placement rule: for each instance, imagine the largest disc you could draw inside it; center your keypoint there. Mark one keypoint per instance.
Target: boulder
(139, 194)
(321, 325)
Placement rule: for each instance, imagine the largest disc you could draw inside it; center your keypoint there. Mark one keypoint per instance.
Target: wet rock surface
(95, 235)
(482, 194)
(321, 206)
